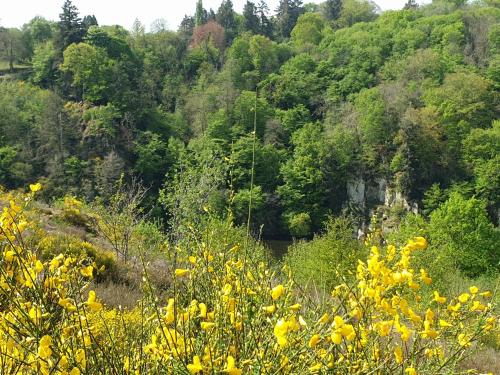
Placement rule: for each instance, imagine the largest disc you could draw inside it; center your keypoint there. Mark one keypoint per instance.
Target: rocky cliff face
(376, 196)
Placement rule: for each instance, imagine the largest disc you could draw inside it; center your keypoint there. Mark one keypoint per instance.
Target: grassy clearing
(5, 68)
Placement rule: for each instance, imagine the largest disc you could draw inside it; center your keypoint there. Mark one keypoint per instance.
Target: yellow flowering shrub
(228, 312)
(50, 245)
(72, 210)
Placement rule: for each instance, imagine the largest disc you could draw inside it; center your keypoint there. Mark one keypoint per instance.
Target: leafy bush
(461, 229)
(325, 260)
(72, 212)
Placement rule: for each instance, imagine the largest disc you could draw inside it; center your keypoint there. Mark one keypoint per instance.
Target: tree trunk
(11, 58)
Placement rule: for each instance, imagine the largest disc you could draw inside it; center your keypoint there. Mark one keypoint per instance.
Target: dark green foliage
(251, 20)
(200, 15)
(307, 180)
(226, 18)
(331, 9)
(89, 21)
(287, 14)
(403, 102)
(266, 26)
(186, 27)
(71, 29)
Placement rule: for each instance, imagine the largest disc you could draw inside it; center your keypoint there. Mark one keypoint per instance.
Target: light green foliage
(308, 30)
(153, 157)
(433, 198)
(482, 153)
(461, 230)
(296, 84)
(354, 55)
(299, 224)
(264, 55)
(252, 58)
(101, 121)
(375, 129)
(7, 165)
(293, 118)
(306, 177)
(409, 41)
(244, 114)
(354, 11)
(196, 185)
(36, 32)
(324, 261)
(482, 144)
(267, 164)
(219, 127)
(424, 67)
(90, 69)
(43, 64)
(464, 98)
(240, 204)
(494, 71)
(437, 260)
(464, 102)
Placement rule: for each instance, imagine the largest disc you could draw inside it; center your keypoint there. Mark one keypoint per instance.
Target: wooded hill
(338, 107)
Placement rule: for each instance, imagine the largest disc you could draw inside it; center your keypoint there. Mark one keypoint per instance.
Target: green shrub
(325, 260)
(300, 224)
(147, 235)
(463, 245)
(460, 228)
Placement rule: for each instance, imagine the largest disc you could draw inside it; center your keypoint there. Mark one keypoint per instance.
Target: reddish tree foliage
(211, 32)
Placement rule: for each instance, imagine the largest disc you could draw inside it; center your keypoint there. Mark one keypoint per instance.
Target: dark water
(278, 247)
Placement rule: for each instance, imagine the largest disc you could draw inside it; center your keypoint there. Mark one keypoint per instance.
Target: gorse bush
(51, 245)
(229, 312)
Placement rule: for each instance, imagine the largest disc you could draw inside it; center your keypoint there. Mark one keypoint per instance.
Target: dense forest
(141, 170)
(312, 111)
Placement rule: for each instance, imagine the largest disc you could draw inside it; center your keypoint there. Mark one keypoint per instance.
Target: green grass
(4, 66)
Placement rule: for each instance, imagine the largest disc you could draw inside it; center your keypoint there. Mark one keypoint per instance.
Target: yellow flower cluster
(230, 313)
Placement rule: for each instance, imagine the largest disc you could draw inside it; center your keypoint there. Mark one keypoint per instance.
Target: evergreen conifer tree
(71, 29)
